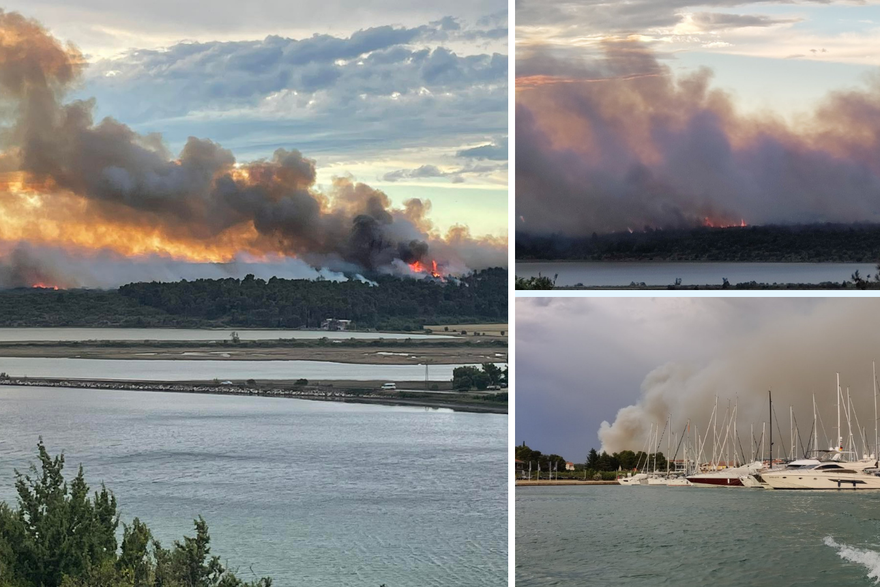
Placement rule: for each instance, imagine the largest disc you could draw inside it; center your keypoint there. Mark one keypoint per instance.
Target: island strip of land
(408, 393)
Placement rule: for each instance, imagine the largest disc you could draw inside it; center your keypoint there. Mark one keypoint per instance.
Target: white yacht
(729, 477)
(815, 475)
(637, 479)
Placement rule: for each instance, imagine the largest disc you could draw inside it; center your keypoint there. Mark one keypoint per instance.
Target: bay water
(612, 535)
(310, 493)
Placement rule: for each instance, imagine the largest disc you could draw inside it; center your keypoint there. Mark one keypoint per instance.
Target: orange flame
(42, 285)
(715, 223)
(419, 267)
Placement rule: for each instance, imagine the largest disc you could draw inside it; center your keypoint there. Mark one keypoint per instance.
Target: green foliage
(59, 536)
(480, 378)
(536, 458)
(539, 282)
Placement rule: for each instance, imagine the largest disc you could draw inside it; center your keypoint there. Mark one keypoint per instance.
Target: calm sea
(665, 273)
(610, 536)
(311, 493)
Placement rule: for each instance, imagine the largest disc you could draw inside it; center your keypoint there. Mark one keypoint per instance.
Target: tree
(60, 537)
(493, 373)
(593, 459)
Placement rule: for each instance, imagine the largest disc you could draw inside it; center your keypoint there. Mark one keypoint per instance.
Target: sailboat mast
(815, 432)
(770, 396)
(839, 431)
(874, 369)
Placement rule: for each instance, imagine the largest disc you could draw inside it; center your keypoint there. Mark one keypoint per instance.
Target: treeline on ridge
(392, 304)
(850, 243)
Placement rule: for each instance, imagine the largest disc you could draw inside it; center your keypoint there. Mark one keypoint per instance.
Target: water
(665, 273)
(611, 535)
(311, 493)
(206, 370)
(186, 334)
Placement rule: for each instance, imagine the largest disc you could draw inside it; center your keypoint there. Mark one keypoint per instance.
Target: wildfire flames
(44, 286)
(713, 223)
(419, 267)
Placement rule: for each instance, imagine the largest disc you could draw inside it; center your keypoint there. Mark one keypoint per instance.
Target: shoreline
(561, 482)
(458, 403)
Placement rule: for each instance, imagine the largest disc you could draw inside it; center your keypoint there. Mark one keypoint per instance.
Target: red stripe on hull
(716, 481)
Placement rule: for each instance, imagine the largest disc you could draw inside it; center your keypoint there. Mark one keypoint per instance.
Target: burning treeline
(619, 142)
(794, 353)
(71, 183)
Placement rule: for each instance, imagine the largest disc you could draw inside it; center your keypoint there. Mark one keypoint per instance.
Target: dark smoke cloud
(203, 191)
(620, 142)
(27, 266)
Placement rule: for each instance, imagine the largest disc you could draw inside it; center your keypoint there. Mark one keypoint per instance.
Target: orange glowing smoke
(44, 286)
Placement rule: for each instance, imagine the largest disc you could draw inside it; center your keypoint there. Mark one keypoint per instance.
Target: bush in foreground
(59, 536)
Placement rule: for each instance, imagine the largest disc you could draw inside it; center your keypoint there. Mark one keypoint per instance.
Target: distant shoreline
(368, 395)
(559, 482)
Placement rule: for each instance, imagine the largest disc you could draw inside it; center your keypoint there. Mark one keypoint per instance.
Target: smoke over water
(71, 186)
(794, 354)
(619, 143)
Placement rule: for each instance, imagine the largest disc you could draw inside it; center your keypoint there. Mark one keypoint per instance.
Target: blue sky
(396, 95)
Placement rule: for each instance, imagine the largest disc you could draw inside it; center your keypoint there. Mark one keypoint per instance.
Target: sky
(407, 99)
(675, 114)
(630, 362)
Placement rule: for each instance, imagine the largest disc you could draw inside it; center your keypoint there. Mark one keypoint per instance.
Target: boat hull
(807, 482)
(699, 481)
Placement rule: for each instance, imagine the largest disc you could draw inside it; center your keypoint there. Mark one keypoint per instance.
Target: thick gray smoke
(34, 266)
(621, 142)
(793, 354)
(203, 194)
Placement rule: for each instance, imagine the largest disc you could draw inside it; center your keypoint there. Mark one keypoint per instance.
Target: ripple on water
(726, 538)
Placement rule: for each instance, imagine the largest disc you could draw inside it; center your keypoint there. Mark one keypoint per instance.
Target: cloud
(494, 151)
(717, 21)
(363, 97)
(456, 175)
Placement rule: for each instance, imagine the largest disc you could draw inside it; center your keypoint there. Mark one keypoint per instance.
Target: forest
(851, 243)
(390, 303)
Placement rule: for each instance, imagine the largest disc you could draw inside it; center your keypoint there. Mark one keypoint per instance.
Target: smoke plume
(70, 182)
(620, 142)
(793, 354)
